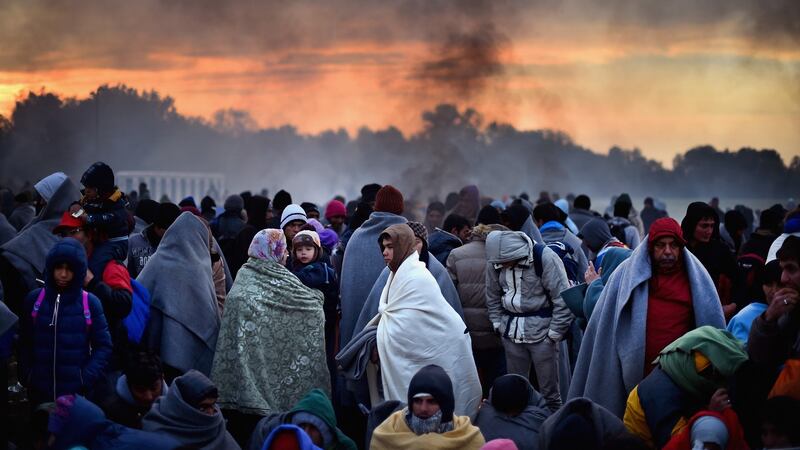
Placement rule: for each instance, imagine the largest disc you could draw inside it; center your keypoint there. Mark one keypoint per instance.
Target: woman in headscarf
(271, 347)
(184, 317)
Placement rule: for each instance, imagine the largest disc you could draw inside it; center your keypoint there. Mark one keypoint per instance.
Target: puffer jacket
(70, 356)
(523, 307)
(467, 268)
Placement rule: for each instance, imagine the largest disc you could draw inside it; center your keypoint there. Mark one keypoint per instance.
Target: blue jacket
(87, 426)
(321, 276)
(441, 243)
(68, 357)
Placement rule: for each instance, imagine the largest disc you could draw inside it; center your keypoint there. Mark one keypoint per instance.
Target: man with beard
(657, 295)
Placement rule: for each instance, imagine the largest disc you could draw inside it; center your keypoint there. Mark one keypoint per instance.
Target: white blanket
(417, 327)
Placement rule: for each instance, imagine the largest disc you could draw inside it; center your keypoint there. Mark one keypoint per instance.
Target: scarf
(395, 433)
(725, 353)
(432, 424)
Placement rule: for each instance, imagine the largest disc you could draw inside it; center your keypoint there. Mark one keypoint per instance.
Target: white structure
(175, 185)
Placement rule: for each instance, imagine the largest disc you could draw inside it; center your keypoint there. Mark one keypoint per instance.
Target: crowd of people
(473, 323)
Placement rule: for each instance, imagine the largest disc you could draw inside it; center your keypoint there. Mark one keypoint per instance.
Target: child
(65, 345)
(106, 215)
(316, 274)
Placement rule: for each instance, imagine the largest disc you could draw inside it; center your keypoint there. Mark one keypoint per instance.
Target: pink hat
(335, 208)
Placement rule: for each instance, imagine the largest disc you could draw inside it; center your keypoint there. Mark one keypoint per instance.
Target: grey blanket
(192, 428)
(352, 360)
(611, 359)
(363, 263)
(184, 320)
(27, 251)
(7, 231)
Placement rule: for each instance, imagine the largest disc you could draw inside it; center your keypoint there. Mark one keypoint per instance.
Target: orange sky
(664, 90)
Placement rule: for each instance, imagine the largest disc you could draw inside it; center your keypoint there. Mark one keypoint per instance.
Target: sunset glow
(605, 82)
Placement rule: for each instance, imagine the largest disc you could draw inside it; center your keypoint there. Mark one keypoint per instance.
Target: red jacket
(683, 440)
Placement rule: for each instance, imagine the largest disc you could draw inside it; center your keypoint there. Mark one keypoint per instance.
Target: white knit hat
(291, 213)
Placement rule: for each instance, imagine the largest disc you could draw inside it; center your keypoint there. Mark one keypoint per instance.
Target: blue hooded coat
(87, 426)
(60, 352)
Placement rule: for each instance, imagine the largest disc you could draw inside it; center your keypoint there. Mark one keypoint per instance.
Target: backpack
(87, 313)
(565, 252)
(136, 320)
(618, 231)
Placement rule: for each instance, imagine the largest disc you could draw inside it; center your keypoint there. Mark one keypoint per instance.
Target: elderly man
(657, 295)
(428, 421)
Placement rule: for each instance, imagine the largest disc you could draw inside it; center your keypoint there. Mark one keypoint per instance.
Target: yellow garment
(636, 421)
(701, 363)
(394, 433)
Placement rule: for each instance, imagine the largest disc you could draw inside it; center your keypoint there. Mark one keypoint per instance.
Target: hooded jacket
(467, 268)
(87, 426)
(522, 306)
(24, 255)
(556, 232)
(441, 243)
(632, 237)
(70, 356)
(523, 429)
(715, 255)
(316, 403)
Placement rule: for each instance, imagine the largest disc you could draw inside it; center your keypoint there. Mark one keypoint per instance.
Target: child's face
(305, 254)
(63, 275)
(90, 193)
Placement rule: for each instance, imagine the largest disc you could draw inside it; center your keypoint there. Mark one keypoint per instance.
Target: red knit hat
(665, 226)
(390, 200)
(335, 208)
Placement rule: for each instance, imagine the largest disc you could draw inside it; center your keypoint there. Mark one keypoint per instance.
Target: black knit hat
(510, 393)
(166, 214)
(100, 176)
(282, 200)
(147, 210)
(488, 215)
(369, 191)
(434, 381)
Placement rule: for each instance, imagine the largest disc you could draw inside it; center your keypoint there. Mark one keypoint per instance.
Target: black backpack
(565, 252)
(618, 231)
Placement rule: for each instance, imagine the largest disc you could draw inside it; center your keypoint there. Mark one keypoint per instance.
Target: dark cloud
(41, 34)
(464, 62)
